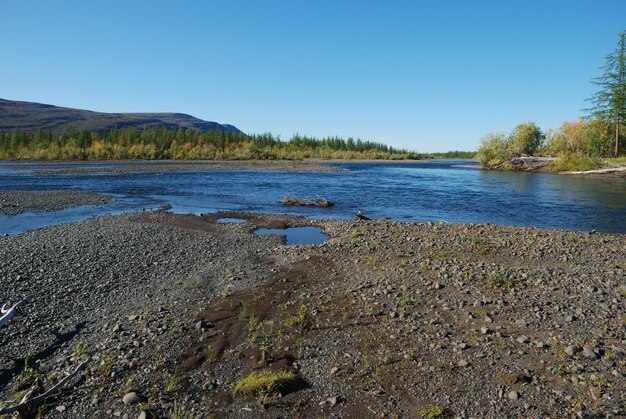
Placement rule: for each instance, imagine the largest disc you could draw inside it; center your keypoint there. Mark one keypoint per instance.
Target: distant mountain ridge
(31, 116)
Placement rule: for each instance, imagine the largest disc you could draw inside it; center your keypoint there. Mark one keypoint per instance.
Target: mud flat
(383, 319)
(13, 203)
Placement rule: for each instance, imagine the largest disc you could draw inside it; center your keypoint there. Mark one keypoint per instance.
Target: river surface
(450, 191)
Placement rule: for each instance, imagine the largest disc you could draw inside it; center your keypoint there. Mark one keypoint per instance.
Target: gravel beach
(385, 319)
(13, 203)
(126, 166)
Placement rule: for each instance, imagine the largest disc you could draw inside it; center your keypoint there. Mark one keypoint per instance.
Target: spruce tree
(609, 102)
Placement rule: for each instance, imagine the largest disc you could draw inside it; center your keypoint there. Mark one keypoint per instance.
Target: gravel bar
(385, 319)
(13, 203)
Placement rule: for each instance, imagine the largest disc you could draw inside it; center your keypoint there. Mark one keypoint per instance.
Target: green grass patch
(570, 162)
(498, 280)
(431, 411)
(407, 302)
(302, 319)
(266, 382)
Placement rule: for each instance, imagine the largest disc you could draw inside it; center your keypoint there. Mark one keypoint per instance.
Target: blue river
(441, 190)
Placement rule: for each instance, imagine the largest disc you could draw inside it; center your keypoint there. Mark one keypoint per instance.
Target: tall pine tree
(609, 103)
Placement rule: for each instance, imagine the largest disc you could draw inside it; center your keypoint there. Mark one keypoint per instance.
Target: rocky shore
(61, 168)
(385, 319)
(13, 203)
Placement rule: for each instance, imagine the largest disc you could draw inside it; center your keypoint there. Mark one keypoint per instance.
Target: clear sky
(424, 75)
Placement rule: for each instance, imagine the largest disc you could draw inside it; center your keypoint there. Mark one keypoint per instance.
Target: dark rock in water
(360, 216)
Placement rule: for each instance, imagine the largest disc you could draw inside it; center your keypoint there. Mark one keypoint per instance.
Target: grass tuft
(432, 411)
(266, 382)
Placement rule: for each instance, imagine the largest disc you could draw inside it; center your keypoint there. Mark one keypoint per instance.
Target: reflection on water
(231, 220)
(297, 235)
(432, 191)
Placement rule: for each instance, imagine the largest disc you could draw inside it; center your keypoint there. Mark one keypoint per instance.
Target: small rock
(60, 408)
(393, 314)
(572, 350)
(334, 370)
(485, 330)
(438, 286)
(132, 398)
(513, 395)
(523, 339)
(333, 400)
(463, 363)
(588, 352)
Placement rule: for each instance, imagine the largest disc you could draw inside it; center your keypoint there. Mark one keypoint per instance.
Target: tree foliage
(495, 151)
(525, 139)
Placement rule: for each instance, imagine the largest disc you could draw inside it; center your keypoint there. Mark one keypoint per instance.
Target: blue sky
(423, 75)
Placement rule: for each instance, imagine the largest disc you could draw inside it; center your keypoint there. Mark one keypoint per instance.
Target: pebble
(572, 350)
(513, 395)
(132, 398)
(463, 363)
(588, 352)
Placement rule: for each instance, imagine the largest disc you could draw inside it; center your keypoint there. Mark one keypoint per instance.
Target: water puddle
(231, 220)
(297, 235)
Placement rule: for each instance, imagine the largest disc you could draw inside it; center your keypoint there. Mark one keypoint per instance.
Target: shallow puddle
(297, 235)
(231, 220)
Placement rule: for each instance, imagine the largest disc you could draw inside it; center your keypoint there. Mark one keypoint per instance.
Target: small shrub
(373, 260)
(266, 382)
(407, 302)
(498, 280)
(106, 366)
(301, 319)
(172, 384)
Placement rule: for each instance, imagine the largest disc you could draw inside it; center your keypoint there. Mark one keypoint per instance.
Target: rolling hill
(30, 116)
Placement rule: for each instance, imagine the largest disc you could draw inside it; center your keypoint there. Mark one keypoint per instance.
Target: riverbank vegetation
(577, 145)
(159, 143)
(581, 145)
(186, 144)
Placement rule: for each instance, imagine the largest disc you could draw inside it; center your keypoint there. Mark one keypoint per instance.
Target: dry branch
(531, 163)
(597, 172)
(30, 402)
(9, 313)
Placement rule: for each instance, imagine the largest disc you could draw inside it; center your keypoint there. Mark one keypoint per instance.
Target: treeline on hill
(577, 145)
(160, 143)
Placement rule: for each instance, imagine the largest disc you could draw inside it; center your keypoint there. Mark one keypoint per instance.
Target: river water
(442, 190)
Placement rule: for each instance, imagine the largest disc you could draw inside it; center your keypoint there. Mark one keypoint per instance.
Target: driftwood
(35, 400)
(531, 163)
(7, 314)
(598, 171)
(307, 202)
(32, 398)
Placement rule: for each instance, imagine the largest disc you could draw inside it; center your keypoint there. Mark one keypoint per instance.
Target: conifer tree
(609, 103)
